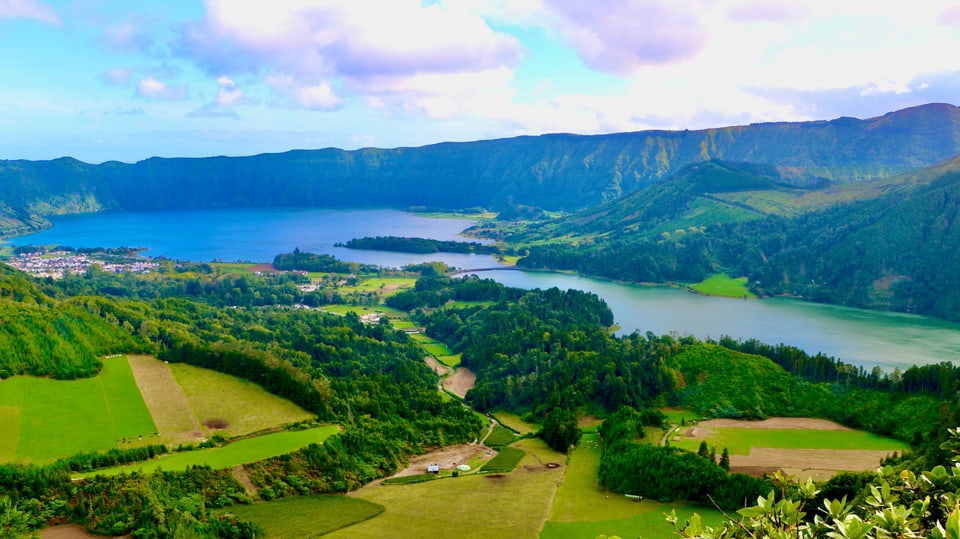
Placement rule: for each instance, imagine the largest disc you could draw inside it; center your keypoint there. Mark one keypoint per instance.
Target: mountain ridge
(556, 172)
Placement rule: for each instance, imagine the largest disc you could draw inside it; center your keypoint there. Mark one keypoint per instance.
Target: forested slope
(551, 171)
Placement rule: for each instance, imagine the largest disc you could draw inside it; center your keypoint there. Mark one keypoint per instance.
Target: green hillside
(884, 244)
(555, 172)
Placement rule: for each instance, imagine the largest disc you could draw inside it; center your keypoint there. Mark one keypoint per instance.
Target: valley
(242, 362)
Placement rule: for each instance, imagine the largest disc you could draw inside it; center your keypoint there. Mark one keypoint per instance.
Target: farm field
(232, 406)
(189, 403)
(514, 422)
(582, 510)
(474, 506)
(43, 419)
(232, 454)
(809, 447)
(306, 516)
(722, 284)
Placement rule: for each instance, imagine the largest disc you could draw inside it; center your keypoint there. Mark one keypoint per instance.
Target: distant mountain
(553, 172)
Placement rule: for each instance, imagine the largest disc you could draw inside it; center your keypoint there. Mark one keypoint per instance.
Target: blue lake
(866, 338)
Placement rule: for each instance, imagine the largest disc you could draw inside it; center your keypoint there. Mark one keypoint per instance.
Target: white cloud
(29, 9)
(156, 89)
(228, 95)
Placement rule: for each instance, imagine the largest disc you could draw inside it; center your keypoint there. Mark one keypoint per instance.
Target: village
(57, 264)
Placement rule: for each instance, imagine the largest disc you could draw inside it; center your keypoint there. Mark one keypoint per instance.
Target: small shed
(433, 468)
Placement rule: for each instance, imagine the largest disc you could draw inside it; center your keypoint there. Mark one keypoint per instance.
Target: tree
(725, 459)
(14, 523)
(561, 430)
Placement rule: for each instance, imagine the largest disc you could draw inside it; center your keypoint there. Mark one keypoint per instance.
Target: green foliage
(506, 460)
(418, 245)
(718, 382)
(629, 467)
(561, 430)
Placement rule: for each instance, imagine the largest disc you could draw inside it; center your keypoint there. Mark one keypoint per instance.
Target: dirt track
(448, 458)
(68, 532)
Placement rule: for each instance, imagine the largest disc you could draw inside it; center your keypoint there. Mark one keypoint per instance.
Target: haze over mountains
(555, 172)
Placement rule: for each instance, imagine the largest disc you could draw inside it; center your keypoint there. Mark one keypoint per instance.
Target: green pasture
(306, 516)
(506, 460)
(582, 510)
(232, 454)
(437, 349)
(723, 285)
(515, 422)
(677, 416)
(243, 406)
(43, 419)
(471, 506)
(388, 285)
(500, 436)
(738, 441)
(232, 267)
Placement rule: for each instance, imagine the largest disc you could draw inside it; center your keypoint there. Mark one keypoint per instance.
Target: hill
(884, 244)
(554, 172)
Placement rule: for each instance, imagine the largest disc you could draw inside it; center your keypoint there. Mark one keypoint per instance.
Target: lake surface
(860, 337)
(255, 235)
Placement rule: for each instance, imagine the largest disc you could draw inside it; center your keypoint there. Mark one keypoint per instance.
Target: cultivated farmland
(306, 516)
(806, 447)
(232, 454)
(43, 419)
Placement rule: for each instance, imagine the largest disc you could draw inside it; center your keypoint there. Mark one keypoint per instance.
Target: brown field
(167, 402)
(448, 458)
(441, 370)
(818, 464)
(774, 423)
(460, 382)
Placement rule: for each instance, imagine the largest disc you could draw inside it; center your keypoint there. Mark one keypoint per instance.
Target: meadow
(471, 507)
(232, 454)
(190, 403)
(306, 516)
(515, 423)
(437, 349)
(582, 510)
(739, 441)
(231, 406)
(43, 419)
(500, 435)
(723, 285)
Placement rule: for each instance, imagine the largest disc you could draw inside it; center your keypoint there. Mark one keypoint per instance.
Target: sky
(103, 80)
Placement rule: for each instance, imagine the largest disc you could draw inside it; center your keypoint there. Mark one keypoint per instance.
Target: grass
(723, 285)
(738, 441)
(306, 516)
(43, 419)
(468, 507)
(677, 416)
(515, 423)
(437, 349)
(244, 406)
(500, 436)
(411, 479)
(171, 411)
(232, 454)
(505, 461)
(582, 509)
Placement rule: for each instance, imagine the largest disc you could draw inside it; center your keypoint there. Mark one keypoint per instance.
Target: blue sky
(126, 80)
